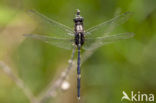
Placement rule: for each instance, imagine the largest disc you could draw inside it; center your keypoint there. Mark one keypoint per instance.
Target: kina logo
(137, 97)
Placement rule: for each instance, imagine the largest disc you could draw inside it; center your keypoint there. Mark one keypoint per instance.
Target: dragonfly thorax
(79, 31)
(79, 39)
(78, 24)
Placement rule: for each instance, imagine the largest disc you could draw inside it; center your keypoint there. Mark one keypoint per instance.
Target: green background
(127, 65)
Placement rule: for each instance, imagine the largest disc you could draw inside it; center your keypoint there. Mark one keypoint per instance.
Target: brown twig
(18, 82)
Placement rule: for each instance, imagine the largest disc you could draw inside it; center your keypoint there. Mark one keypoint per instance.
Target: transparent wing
(93, 43)
(108, 26)
(66, 43)
(49, 26)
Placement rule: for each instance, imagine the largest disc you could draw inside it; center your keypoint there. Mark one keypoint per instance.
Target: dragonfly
(60, 35)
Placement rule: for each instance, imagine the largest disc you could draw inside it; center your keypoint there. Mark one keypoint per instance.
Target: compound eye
(75, 20)
(82, 18)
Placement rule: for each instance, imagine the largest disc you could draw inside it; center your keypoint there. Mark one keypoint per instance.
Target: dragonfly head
(78, 18)
(78, 12)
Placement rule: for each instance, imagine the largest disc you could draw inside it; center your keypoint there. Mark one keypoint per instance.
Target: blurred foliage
(128, 65)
